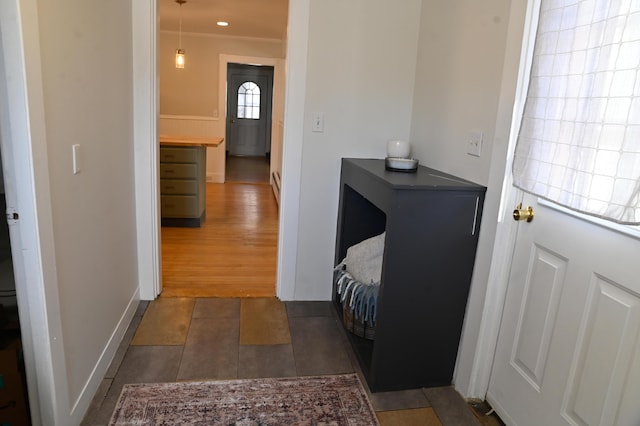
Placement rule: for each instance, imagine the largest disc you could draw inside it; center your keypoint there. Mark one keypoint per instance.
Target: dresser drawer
(178, 171)
(180, 206)
(174, 186)
(178, 154)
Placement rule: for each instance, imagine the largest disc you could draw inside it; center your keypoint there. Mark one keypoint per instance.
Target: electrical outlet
(474, 143)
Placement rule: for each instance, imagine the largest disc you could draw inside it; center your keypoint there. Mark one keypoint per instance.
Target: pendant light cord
(180, 33)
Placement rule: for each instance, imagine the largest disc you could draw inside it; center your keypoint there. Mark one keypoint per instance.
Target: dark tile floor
(183, 339)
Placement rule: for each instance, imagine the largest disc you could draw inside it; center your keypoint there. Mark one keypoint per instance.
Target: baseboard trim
(81, 405)
(217, 177)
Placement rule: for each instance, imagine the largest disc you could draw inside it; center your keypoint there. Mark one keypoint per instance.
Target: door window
(579, 140)
(249, 101)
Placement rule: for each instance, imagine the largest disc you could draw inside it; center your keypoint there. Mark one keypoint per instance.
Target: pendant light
(180, 51)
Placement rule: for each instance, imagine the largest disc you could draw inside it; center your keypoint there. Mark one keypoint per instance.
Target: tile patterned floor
(185, 339)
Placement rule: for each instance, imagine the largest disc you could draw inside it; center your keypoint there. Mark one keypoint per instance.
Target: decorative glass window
(249, 101)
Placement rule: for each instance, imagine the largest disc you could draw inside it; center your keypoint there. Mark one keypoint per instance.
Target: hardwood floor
(233, 254)
(247, 169)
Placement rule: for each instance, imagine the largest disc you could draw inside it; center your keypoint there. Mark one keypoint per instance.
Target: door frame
(146, 117)
(520, 43)
(224, 61)
(36, 285)
(27, 188)
(265, 108)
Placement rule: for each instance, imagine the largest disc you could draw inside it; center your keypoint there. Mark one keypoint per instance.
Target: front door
(249, 97)
(568, 351)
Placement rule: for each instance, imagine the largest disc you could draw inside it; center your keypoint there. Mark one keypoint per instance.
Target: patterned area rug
(325, 400)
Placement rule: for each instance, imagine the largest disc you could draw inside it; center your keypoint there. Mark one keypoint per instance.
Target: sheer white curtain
(579, 140)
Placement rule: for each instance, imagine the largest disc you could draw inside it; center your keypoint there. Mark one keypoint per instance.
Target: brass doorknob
(523, 214)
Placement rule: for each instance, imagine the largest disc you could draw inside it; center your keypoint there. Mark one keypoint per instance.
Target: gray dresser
(183, 185)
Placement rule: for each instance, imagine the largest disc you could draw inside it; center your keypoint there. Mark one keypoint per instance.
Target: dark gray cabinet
(432, 221)
(182, 185)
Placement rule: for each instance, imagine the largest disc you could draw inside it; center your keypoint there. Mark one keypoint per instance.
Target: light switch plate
(318, 122)
(76, 158)
(474, 143)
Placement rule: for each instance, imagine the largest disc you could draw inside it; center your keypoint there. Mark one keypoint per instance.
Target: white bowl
(401, 164)
(398, 149)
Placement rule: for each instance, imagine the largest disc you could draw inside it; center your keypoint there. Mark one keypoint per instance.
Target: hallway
(233, 253)
(173, 339)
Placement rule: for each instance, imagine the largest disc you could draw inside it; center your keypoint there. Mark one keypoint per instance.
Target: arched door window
(249, 101)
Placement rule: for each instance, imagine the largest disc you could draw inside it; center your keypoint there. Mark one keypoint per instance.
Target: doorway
(146, 119)
(564, 302)
(234, 252)
(249, 123)
(249, 110)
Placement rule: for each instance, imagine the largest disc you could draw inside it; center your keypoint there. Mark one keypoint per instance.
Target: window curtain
(579, 139)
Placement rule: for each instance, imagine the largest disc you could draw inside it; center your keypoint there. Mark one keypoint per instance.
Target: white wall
(87, 88)
(193, 91)
(458, 81)
(193, 100)
(360, 74)
(458, 77)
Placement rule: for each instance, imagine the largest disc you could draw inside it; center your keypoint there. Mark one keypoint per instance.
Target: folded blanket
(358, 277)
(364, 260)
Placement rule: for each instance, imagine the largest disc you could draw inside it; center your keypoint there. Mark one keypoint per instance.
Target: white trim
(188, 117)
(520, 45)
(215, 177)
(145, 129)
(295, 98)
(224, 61)
(223, 36)
(81, 405)
(27, 188)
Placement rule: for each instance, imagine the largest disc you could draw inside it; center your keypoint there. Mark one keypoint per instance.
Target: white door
(569, 345)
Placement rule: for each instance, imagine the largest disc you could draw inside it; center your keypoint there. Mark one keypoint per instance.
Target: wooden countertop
(189, 140)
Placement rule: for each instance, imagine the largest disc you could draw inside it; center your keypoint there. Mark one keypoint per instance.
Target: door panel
(598, 380)
(249, 136)
(537, 320)
(568, 348)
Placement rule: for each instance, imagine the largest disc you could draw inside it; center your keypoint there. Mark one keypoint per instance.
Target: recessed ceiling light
(222, 24)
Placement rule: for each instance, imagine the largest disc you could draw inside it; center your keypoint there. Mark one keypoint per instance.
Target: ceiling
(247, 18)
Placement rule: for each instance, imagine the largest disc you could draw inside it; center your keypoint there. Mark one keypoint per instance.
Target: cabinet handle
(475, 217)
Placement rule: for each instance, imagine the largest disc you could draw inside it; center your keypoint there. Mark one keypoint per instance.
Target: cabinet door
(178, 154)
(178, 187)
(185, 206)
(178, 171)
